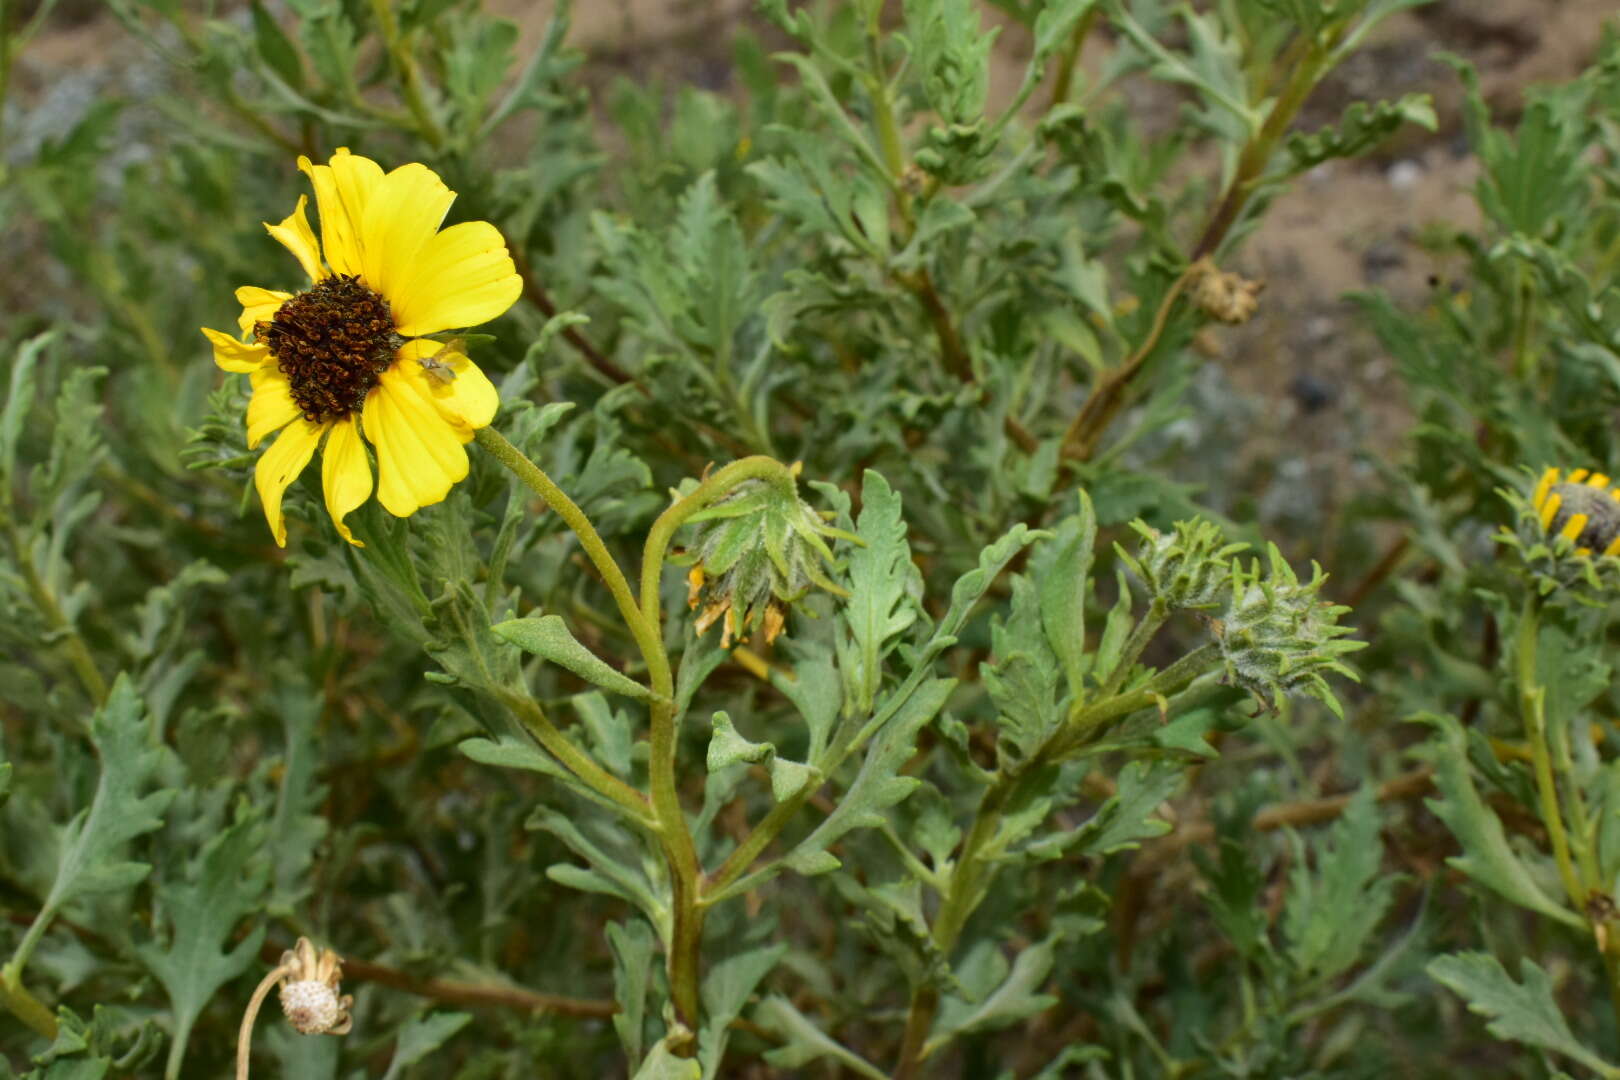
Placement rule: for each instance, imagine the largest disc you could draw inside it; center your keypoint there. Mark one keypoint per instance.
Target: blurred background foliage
(864, 237)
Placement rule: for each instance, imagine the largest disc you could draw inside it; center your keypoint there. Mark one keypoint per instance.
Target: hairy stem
(686, 874)
(244, 1036)
(577, 761)
(25, 1006)
(534, 478)
(1142, 633)
(972, 872)
(1532, 707)
(1071, 56)
(645, 624)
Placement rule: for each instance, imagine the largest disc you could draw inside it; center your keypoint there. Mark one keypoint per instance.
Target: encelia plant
(669, 583)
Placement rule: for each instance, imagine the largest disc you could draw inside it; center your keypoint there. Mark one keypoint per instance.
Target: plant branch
(456, 992)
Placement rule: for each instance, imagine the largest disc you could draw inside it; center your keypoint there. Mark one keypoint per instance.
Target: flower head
(1187, 567)
(1279, 636)
(349, 355)
(757, 550)
(1569, 533)
(309, 991)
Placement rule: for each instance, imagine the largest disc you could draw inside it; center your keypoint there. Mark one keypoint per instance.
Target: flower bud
(1188, 567)
(757, 549)
(1278, 636)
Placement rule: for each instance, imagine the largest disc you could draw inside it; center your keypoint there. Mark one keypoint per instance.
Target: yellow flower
(346, 356)
(1581, 507)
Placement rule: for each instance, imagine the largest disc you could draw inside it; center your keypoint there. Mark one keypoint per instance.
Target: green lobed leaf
(19, 400)
(881, 581)
(1013, 1001)
(420, 1036)
(1524, 1012)
(804, 1042)
(93, 843)
(727, 987)
(1023, 678)
(1061, 567)
(1334, 907)
(224, 884)
(634, 945)
(661, 1063)
(1362, 127)
(549, 638)
(1487, 856)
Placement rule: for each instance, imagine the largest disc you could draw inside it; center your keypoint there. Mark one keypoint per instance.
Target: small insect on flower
(437, 366)
(1581, 507)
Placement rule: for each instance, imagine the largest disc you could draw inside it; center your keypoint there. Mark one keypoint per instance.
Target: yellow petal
(234, 355)
(278, 467)
(1597, 480)
(296, 236)
(419, 455)
(258, 305)
(1577, 475)
(404, 210)
(1614, 546)
(271, 408)
(341, 190)
(1549, 510)
(345, 473)
(1572, 527)
(461, 277)
(1544, 485)
(463, 394)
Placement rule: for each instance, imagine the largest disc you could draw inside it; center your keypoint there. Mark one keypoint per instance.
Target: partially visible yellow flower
(1581, 507)
(346, 356)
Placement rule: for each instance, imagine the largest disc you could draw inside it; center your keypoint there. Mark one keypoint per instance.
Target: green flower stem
(1087, 721)
(25, 1006)
(645, 632)
(644, 622)
(1071, 55)
(578, 762)
(1103, 403)
(975, 868)
(687, 874)
(1532, 706)
(1579, 886)
(1157, 613)
(1302, 78)
(711, 490)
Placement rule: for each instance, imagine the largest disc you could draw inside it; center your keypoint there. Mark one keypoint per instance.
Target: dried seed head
(309, 982)
(309, 991)
(313, 1008)
(1230, 298)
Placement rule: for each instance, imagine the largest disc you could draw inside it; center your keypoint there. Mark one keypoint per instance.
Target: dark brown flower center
(331, 342)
